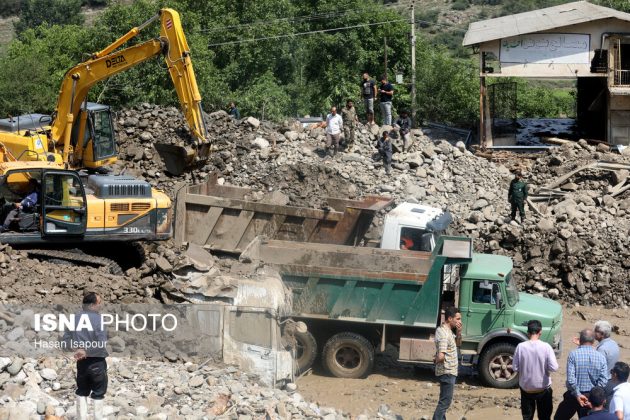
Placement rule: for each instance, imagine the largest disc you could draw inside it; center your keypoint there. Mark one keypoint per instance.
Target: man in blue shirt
(606, 345)
(586, 369)
(27, 205)
(596, 400)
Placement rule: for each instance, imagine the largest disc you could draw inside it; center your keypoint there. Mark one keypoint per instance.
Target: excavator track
(78, 258)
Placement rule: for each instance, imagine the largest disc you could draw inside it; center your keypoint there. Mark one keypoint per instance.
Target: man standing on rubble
(386, 91)
(349, 117)
(384, 146)
(368, 93)
(90, 347)
(333, 124)
(517, 194)
(403, 124)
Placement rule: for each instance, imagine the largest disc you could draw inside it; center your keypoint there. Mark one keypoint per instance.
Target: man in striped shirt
(586, 369)
(447, 337)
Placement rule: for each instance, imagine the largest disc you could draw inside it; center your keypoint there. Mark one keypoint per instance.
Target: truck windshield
(511, 290)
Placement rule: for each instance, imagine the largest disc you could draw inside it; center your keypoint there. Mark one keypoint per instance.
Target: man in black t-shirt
(368, 93)
(386, 91)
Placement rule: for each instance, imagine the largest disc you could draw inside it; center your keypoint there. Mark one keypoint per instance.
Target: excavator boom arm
(108, 62)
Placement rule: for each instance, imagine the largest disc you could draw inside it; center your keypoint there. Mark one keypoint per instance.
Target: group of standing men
(385, 95)
(597, 382)
(346, 122)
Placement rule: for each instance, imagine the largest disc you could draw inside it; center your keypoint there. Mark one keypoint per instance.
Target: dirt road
(414, 395)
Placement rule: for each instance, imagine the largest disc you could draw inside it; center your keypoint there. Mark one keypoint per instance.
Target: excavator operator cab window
(103, 134)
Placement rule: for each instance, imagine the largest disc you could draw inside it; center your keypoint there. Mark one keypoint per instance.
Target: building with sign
(580, 41)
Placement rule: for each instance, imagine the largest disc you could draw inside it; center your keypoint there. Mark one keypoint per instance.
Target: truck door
(479, 308)
(64, 207)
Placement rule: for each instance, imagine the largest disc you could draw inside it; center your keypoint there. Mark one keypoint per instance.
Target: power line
(314, 16)
(341, 28)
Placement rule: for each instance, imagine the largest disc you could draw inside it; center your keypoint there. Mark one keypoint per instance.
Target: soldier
(349, 116)
(517, 194)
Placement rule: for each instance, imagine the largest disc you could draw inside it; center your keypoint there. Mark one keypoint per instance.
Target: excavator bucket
(176, 158)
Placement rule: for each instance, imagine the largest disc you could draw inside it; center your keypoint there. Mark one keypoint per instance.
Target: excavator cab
(97, 149)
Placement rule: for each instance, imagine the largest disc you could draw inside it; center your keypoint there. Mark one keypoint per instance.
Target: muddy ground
(414, 396)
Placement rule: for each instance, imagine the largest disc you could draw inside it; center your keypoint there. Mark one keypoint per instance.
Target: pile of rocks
(577, 260)
(141, 389)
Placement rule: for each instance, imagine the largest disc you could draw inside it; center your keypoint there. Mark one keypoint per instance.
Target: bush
(460, 5)
(34, 13)
(9, 7)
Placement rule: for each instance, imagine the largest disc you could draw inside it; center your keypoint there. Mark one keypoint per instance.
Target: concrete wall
(555, 70)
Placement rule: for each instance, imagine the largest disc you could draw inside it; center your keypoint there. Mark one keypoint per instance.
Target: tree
(34, 66)
(9, 7)
(34, 13)
(264, 98)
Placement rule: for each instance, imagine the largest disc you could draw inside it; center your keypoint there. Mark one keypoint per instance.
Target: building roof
(539, 20)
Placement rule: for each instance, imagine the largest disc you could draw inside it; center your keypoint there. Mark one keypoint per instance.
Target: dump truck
(227, 218)
(356, 300)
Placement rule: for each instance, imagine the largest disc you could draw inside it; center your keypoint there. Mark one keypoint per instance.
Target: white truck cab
(414, 227)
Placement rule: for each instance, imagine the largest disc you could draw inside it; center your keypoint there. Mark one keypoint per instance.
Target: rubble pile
(575, 256)
(139, 389)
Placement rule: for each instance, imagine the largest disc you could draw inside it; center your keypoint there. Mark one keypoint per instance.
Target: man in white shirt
(620, 404)
(334, 125)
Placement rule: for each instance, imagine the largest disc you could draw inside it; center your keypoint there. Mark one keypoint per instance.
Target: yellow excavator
(46, 155)
(80, 134)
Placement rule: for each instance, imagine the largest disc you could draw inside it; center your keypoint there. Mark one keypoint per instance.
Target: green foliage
(460, 5)
(34, 13)
(21, 78)
(278, 74)
(544, 102)
(9, 7)
(447, 88)
(623, 5)
(44, 55)
(264, 98)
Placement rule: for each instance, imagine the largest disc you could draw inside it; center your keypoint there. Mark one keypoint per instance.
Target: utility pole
(413, 63)
(385, 57)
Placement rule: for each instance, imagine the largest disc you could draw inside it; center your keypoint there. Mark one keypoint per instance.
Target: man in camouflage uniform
(517, 194)
(349, 115)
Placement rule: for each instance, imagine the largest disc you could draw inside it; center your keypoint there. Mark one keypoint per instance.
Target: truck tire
(306, 351)
(348, 355)
(495, 366)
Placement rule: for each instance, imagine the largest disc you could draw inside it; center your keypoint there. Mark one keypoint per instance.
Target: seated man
(27, 205)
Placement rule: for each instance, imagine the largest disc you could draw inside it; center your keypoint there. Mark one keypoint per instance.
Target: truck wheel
(348, 355)
(306, 351)
(495, 366)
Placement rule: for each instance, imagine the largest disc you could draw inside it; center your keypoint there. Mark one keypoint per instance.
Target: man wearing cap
(517, 194)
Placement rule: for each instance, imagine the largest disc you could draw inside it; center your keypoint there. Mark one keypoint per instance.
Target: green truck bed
(361, 284)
